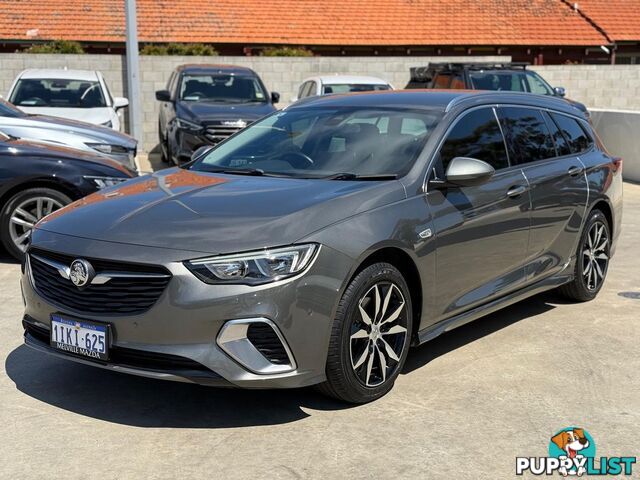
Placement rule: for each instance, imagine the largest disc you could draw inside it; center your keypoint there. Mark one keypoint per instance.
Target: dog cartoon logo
(574, 444)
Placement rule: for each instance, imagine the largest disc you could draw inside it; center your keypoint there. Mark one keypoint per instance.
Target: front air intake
(267, 342)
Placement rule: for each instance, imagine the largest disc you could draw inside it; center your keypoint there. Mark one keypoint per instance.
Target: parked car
(204, 104)
(37, 179)
(59, 131)
(74, 94)
(331, 84)
(318, 244)
(508, 77)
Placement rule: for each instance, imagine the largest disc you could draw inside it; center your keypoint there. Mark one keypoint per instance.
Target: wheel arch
(58, 185)
(403, 261)
(606, 209)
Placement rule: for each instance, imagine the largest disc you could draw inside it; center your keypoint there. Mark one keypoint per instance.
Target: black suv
(513, 77)
(204, 104)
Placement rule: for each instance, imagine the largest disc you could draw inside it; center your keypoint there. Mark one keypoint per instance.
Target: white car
(331, 84)
(74, 94)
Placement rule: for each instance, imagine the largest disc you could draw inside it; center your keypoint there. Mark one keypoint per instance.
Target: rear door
(558, 187)
(481, 231)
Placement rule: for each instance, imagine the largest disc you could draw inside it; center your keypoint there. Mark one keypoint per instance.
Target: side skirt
(433, 331)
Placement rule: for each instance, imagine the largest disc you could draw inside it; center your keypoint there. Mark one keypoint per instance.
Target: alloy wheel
(26, 215)
(378, 334)
(595, 256)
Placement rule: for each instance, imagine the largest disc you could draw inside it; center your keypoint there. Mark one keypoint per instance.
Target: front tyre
(370, 336)
(592, 259)
(22, 212)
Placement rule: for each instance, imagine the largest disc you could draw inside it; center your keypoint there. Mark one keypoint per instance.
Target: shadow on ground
(142, 402)
(155, 160)
(7, 259)
(459, 337)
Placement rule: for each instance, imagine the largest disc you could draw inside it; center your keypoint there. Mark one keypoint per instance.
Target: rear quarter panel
(604, 180)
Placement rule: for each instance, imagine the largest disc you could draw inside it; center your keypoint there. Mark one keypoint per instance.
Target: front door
(482, 231)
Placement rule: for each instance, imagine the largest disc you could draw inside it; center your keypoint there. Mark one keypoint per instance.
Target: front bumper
(189, 315)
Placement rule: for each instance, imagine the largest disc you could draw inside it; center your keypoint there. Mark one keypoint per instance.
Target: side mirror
(559, 91)
(120, 102)
(163, 95)
(275, 97)
(468, 172)
(201, 151)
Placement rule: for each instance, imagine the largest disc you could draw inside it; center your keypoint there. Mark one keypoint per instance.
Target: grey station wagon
(317, 245)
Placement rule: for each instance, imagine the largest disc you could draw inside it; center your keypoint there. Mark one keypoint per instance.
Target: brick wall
(600, 86)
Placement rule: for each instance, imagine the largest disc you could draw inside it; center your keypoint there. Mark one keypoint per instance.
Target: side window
(476, 135)
(457, 82)
(413, 126)
(537, 84)
(527, 135)
(311, 89)
(578, 140)
(562, 146)
(442, 80)
(301, 90)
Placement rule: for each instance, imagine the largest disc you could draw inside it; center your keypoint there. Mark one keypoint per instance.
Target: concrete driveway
(466, 405)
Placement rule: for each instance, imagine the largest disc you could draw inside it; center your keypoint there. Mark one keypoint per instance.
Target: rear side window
(527, 135)
(442, 80)
(457, 82)
(562, 146)
(476, 135)
(577, 138)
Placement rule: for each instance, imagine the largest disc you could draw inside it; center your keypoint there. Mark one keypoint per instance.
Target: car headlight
(254, 268)
(107, 148)
(186, 125)
(104, 182)
(108, 124)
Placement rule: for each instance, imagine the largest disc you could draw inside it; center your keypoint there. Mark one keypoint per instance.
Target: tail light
(617, 164)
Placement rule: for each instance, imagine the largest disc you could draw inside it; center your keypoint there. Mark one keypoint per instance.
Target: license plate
(80, 337)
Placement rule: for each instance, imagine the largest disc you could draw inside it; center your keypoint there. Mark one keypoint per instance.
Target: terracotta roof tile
(620, 19)
(306, 22)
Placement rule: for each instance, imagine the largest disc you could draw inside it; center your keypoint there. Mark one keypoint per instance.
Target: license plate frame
(73, 332)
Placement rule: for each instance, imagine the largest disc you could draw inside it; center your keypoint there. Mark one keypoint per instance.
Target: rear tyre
(370, 336)
(592, 259)
(22, 212)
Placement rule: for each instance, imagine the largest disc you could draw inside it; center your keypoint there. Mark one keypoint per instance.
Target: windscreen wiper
(353, 176)
(256, 172)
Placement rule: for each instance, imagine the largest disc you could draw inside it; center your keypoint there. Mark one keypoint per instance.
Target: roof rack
(422, 74)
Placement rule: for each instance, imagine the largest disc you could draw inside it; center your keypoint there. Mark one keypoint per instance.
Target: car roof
(215, 68)
(60, 73)
(356, 79)
(430, 99)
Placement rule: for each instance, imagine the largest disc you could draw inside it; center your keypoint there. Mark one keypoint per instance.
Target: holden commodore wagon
(316, 246)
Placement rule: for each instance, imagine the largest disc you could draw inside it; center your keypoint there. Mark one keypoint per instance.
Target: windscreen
(352, 87)
(510, 81)
(58, 93)
(318, 142)
(221, 88)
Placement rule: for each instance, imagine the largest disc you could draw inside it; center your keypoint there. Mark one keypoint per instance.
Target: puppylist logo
(572, 452)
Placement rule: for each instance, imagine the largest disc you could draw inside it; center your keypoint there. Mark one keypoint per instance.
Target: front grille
(216, 133)
(266, 341)
(128, 357)
(119, 296)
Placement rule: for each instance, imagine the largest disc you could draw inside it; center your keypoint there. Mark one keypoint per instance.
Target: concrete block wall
(602, 86)
(597, 86)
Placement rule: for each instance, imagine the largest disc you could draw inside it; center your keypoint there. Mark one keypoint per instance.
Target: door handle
(516, 191)
(575, 171)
